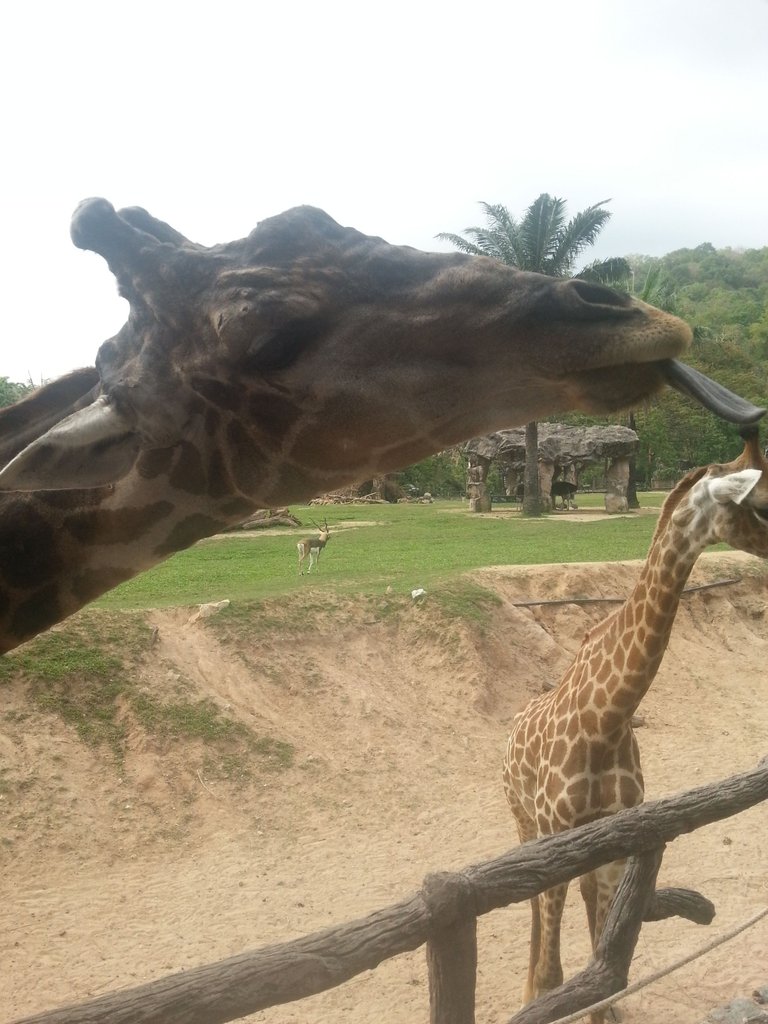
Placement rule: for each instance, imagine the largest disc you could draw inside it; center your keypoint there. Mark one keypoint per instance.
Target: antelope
(313, 546)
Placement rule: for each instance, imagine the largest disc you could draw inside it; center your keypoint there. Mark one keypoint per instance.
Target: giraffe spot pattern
(589, 722)
(635, 659)
(576, 761)
(563, 810)
(188, 473)
(116, 526)
(88, 585)
(247, 460)
(274, 411)
(219, 483)
(630, 793)
(558, 751)
(186, 532)
(37, 612)
(154, 463)
(578, 791)
(26, 560)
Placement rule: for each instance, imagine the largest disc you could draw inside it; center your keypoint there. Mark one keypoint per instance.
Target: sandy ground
(399, 724)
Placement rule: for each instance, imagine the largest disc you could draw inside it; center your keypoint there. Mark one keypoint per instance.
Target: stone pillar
(616, 484)
(546, 472)
(477, 487)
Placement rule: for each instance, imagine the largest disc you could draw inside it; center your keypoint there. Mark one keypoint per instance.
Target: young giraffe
(287, 364)
(572, 755)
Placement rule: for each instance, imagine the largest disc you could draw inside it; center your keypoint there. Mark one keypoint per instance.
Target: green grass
(86, 675)
(80, 681)
(202, 720)
(86, 672)
(410, 546)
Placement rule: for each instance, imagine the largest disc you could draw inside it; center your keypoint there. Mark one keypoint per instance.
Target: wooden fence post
(442, 914)
(608, 971)
(451, 948)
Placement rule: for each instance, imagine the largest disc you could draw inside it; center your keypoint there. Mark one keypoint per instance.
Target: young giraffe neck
(621, 656)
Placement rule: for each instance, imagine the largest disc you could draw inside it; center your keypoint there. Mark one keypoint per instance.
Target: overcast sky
(396, 118)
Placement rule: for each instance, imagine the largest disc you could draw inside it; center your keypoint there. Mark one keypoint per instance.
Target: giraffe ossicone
(280, 366)
(572, 756)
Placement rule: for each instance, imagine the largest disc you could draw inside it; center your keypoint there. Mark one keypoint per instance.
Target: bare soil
(115, 875)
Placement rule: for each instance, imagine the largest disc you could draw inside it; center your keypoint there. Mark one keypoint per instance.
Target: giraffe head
(727, 503)
(308, 355)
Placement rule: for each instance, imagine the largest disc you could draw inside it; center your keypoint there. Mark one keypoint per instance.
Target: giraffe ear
(734, 487)
(90, 448)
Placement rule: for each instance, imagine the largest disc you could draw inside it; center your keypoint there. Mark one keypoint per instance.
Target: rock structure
(563, 453)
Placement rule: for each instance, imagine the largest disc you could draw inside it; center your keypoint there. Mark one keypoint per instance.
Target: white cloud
(395, 118)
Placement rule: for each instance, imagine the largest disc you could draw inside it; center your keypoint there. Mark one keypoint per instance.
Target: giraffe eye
(761, 513)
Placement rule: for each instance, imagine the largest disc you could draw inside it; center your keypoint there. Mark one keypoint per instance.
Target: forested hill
(723, 295)
(721, 291)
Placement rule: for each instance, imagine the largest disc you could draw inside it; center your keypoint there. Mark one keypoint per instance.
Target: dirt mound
(260, 774)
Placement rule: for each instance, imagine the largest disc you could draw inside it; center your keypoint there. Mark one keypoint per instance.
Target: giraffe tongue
(710, 394)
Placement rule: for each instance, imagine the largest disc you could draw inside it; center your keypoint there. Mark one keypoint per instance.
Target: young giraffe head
(723, 503)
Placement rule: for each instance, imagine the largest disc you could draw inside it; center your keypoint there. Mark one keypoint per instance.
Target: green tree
(442, 475)
(545, 242)
(723, 295)
(11, 392)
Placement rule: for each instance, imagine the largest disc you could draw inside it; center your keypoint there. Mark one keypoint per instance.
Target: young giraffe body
(572, 755)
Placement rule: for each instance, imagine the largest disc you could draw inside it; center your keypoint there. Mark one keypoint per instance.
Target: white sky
(396, 118)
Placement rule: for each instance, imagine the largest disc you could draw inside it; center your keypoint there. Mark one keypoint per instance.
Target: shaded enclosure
(564, 452)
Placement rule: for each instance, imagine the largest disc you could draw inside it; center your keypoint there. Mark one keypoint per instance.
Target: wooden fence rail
(443, 915)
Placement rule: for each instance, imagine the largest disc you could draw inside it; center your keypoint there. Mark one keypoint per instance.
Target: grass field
(404, 546)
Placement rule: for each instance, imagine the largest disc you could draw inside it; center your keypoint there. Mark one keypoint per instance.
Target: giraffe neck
(622, 655)
(61, 549)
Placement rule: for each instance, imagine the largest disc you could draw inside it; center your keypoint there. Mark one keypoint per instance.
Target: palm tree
(542, 241)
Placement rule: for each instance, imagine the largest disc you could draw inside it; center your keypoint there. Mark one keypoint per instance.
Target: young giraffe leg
(544, 968)
(533, 954)
(588, 886)
(548, 972)
(602, 888)
(526, 830)
(607, 878)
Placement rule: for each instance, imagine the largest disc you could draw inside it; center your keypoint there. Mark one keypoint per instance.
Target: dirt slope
(396, 716)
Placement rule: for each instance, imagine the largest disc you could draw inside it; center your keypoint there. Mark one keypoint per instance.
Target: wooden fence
(443, 915)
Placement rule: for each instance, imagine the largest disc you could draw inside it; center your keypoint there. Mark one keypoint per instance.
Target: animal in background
(564, 490)
(312, 546)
